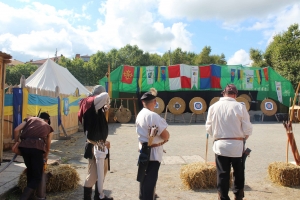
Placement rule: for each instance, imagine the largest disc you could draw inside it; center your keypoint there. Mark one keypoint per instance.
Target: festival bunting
(279, 91)
(266, 73)
(205, 77)
(150, 74)
(179, 76)
(232, 74)
(194, 79)
(163, 73)
(140, 79)
(215, 76)
(249, 78)
(240, 74)
(127, 74)
(258, 76)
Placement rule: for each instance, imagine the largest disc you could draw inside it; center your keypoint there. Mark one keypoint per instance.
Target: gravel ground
(187, 144)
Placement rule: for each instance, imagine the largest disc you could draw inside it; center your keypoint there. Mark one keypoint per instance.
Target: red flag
(127, 74)
(266, 73)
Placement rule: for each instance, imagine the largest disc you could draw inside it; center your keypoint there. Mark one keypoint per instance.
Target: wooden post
(4, 58)
(109, 89)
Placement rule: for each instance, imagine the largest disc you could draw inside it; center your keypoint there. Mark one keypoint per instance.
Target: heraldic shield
(66, 106)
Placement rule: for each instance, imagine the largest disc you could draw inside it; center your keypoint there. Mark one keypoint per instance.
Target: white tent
(50, 75)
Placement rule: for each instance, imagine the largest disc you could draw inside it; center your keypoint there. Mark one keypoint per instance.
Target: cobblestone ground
(186, 145)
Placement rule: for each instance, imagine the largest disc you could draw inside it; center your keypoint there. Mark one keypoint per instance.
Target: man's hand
(106, 107)
(107, 144)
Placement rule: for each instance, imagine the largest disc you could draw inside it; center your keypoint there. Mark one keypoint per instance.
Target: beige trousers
(92, 172)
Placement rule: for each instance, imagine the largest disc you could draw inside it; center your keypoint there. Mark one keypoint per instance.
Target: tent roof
(50, 75)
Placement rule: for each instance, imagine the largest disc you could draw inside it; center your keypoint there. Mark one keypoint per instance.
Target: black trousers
(34, 162)
(223, 176)
(147, 187)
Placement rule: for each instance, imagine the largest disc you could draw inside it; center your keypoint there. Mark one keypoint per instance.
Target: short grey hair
(98, 89)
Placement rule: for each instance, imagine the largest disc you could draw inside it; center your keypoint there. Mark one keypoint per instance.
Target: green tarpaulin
(137, 79)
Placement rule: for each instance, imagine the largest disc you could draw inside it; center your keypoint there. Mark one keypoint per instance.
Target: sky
(33, 29)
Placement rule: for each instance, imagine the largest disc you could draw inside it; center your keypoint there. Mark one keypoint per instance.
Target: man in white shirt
(147, 119)
(228, 122)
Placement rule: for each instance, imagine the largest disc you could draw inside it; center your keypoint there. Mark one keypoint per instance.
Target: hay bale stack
(285, 174)
(62, 178)
(199, 176)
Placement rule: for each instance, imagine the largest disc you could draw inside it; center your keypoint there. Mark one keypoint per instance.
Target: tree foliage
(89, 73)
(257, 57)
(283, 54)
(13, 74)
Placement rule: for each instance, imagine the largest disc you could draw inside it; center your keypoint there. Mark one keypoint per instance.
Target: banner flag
(150, 74)
(232, 75)
(127, 75)
(215, 76)
(249, 78)
(266, 73)
(194, 79)
(279, 91)
(205, 74)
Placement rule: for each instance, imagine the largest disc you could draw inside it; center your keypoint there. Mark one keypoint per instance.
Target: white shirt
(144, 120)
(228, 118)
(101, 100)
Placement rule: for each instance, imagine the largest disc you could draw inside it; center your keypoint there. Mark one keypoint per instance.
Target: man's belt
(235, 138)
(157, 145)
(31, 138)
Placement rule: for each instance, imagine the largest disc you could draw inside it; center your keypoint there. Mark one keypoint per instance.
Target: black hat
(46, 116)
(148, 96)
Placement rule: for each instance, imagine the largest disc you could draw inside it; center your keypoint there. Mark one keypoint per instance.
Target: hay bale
(63, 177)
(199, 176)
(285, 174)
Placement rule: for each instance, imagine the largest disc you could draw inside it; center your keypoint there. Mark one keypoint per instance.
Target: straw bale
(285, 174)
(199, 176)
(61, 178)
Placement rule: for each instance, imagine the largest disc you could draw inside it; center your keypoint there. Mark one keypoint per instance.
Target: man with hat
(34, 146)
(228, 122)
(152, 134)
(92, 111)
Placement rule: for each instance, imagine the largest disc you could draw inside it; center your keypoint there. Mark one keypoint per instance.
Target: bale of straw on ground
(199, 176)
(286, 174)
(63, 177)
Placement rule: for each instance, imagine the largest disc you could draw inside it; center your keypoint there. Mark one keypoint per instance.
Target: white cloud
(239, 57)
(228, 11)
(40, 28)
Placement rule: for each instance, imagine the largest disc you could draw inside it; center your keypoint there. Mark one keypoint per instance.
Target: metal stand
(203, 114)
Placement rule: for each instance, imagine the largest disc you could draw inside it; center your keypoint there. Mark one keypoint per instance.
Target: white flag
(150, 74)
(249, 78)
(279, 91)
(194, 81)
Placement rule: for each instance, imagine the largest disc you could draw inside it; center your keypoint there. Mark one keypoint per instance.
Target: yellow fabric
(25, 103)
(34, 109)
(8, 110)
(258, 77)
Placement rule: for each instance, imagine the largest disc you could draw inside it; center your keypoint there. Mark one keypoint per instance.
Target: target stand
(269, 108)
(198, 107)
(177, 106)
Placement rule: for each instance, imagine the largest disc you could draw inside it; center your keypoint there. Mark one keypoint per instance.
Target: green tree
(283, 54)
(13, 74)
(257, 57)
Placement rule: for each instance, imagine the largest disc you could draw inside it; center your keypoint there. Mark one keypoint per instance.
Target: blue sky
(34, 29)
